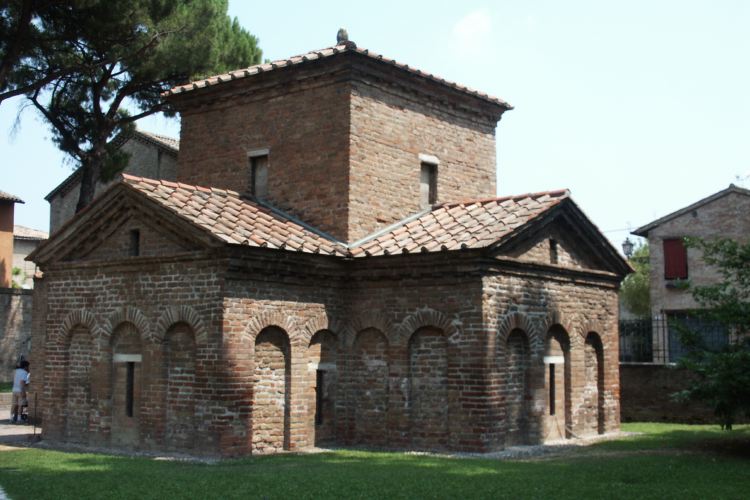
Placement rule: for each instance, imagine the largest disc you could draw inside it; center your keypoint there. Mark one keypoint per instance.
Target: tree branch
(20, 37)
(59, 126)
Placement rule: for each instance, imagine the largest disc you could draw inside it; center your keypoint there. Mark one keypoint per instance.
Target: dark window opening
(675, 259)
(129, 389)
(319, 379)
(259, 176)
(552, 389)
(135, 243)
(553, 251)
(427, 185)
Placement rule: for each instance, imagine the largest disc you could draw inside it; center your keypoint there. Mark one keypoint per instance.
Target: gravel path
(15, 436)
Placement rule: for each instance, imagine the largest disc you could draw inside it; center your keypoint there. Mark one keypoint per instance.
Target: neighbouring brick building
(332, 266)
(725, 214)
(15, 304)
(150, 155)
(25, 241)
(647, 388)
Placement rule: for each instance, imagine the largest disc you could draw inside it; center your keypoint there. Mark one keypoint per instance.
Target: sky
(639, 108)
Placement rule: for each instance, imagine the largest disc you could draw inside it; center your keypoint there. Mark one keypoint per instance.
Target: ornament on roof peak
(342, 38)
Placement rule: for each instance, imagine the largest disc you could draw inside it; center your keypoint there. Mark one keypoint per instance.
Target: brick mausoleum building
(332, 266)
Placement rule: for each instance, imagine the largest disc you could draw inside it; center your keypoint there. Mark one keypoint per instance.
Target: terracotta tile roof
(234, 219)
(324, 54)
(26, 233)
(454, 226)
(9, 197)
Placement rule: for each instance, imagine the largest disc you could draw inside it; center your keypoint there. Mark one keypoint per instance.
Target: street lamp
(627, 248)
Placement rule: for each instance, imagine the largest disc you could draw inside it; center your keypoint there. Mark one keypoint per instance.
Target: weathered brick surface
(549, 313)
(304, 125)
(123, 307)
(180, 387)
(421, 360)
(343, 148)
(271, 390)
(15, 329)
(646, 395)
(389, 130)
(237, 348)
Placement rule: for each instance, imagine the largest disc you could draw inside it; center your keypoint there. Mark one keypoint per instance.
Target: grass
(667, 461)
(6, 386)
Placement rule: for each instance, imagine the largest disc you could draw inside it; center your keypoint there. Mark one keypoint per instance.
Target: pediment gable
(565, 238)
(108, 228)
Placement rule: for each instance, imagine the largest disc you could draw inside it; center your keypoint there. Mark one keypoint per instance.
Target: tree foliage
(37, 38)
(723, 375)
(636, 289)
(124, 54)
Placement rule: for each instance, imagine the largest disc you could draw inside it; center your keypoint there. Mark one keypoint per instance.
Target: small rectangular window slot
(319, 380)
(135, 243)
(552, 389)
(553, 257)
(129, 388)
(427, 185)
(259, 176)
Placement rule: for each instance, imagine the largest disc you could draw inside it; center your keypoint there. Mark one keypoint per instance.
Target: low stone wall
(15, 329)
(645, 395)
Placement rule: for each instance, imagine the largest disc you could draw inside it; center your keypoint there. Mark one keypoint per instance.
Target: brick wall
(129, 308)
(7, 210)
(343, 142)
(304, 125)
(389, 130)
(550, 316)
(15, 329)
(426, 351)
(646, 395)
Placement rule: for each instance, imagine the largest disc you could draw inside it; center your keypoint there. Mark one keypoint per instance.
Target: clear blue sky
(638, 107)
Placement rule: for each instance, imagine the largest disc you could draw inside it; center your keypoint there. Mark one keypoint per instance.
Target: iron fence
(659, 339)
(636, 341)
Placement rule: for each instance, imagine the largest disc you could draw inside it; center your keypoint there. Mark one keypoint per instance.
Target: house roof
(643, 230)
(168, 144)
(453, 226)
(234, 219)
(26, 233)
(9, 197)
(321, 54)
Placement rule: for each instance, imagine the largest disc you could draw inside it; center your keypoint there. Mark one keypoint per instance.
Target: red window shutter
(675, 259)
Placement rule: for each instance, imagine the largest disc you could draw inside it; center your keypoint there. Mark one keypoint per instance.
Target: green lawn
(667, 461)
(6, 386)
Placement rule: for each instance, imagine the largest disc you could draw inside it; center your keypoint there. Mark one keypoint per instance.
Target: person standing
(21, 379)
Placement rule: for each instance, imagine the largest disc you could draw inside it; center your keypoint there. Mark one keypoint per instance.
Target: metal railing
(659, 340)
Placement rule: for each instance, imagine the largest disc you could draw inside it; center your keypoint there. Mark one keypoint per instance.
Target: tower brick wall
(344, 140)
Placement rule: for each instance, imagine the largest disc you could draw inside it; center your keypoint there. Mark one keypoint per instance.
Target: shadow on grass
(704, 439)
(39, 474)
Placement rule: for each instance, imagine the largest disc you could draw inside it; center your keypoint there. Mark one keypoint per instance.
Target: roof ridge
(176, 184)
(159, 140)
(314, 55)
(5, 196)
(562, 193)
(732, 188)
